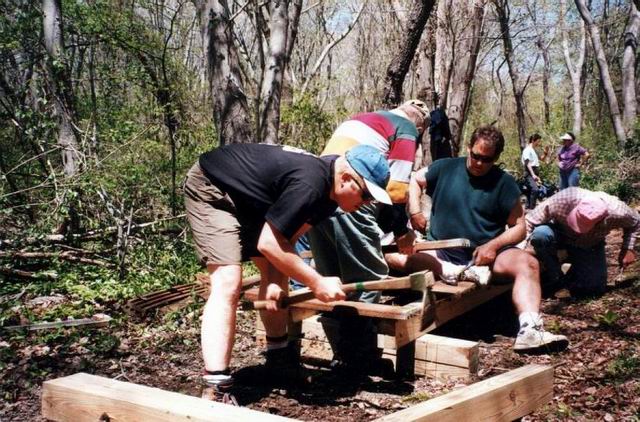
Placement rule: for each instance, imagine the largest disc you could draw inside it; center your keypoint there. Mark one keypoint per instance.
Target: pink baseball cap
(586, 214)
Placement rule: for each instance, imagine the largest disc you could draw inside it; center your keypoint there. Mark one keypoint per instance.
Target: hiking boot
(479, 274)
(283, 366)
(535, 340)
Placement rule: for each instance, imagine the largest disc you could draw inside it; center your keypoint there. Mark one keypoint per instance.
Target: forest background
(106, 104)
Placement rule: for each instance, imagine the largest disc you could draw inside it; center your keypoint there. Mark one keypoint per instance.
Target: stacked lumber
(435, 356)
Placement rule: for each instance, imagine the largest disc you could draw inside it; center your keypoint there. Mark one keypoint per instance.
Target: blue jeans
(301, 245)
(569, 178)
(588, 273)
(534, 192)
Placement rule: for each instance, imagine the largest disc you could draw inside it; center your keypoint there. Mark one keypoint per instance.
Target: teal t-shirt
(476, 208)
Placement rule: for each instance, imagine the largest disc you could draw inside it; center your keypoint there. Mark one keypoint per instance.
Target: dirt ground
(597, 378)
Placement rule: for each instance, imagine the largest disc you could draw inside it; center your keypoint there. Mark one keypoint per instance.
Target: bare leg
(219, 316)
(419, 261)
(275, 322)
(525, 272)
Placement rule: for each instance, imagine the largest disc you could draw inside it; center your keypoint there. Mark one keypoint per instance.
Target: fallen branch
(12, 272)
(98, 320)
(92, 234)
(66, 256)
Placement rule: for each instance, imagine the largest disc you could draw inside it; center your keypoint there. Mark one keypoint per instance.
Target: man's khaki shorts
(212, 217)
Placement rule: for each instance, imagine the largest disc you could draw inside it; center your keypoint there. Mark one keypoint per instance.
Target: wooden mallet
(420, 281)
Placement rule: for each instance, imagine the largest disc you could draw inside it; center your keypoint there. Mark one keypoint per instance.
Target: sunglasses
(366, 195)
(482, 158)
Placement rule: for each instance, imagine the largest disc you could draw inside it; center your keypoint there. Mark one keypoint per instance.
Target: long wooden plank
(82, 397)
(460, 289)
(504, 397)
(364, 309)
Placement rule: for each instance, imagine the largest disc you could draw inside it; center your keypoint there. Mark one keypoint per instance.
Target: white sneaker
(451, 273)
(478, 274)
(536, 340)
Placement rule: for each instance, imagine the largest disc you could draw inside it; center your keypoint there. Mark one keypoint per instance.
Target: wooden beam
(375, 310)
(447, 350)
(446, 309)
(504, 397)
(88, 398)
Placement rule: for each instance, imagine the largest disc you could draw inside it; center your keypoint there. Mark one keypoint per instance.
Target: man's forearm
(273, 245)
(415, 196)
(512, 236)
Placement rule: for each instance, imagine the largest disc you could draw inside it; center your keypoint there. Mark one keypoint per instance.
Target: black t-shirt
(285, 186)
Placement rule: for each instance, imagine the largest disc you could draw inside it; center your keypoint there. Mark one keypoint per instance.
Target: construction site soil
(596, 378)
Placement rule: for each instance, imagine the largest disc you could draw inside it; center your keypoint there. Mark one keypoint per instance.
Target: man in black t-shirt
(251, 201)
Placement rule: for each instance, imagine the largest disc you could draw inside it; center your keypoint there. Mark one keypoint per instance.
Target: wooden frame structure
(435, 356)
(83, 397)
(401, 324)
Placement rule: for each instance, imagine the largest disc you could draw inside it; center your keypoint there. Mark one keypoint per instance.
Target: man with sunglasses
(473, 198)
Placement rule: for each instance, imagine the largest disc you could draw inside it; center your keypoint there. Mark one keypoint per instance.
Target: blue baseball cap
(372, 166)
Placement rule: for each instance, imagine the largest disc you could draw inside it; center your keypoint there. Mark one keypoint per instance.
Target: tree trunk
(629, 99)
(272, 81)
(445, 39)
(575, 71)
(502, 8)
(603, 68)
(465, 53)
(426, 90)
(399, 66)
(61, 85)
(230, 109)
(541, 36)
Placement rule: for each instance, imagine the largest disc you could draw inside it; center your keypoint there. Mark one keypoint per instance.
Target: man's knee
(542, 237)
(515, 263)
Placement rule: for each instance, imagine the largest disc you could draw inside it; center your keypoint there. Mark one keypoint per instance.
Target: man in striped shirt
(348, 245)
(579, 220)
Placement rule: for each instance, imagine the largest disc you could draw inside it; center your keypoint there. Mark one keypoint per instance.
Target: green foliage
(624, 367)
(608, 318)
(614, 171)
(417, 397)
(305, 125)
(104, 344)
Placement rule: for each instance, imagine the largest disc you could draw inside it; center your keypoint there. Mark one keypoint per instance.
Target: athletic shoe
(534, 340)
(479, 274)
(451, 273)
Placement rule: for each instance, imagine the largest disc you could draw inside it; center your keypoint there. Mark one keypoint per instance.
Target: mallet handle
(302, 295)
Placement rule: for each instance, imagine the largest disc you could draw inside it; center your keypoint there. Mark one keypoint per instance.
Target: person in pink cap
(579, 220)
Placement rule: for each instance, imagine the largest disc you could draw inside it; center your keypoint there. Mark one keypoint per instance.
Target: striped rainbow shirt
(394, 136)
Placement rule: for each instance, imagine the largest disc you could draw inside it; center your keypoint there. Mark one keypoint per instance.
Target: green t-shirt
(476, 208)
